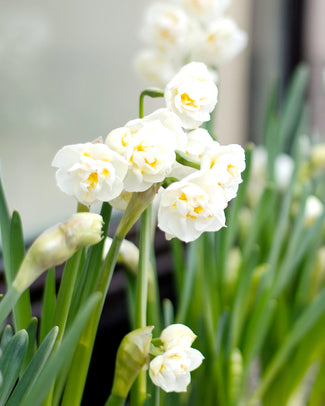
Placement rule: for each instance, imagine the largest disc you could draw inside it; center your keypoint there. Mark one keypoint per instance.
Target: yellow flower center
(185, 98)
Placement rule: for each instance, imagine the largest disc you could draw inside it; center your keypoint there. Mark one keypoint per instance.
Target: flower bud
(132, 356)
(57, 244)
(317, 157)
(232, 270)
(236, 372)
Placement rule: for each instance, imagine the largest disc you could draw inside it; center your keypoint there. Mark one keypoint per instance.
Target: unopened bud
(231, 273)
(132, 356)
(57, 244)
(236, 372)
(317, 157)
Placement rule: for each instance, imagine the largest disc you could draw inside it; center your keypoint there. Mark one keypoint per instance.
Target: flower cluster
(177, 31)
(171, 369)
(202, 175)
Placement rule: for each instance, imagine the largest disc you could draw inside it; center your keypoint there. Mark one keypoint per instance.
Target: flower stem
(139, 391)
(151, 93)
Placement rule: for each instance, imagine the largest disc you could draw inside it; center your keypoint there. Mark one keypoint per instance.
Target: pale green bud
(317, 157)
(132, 356)
(236, 372)
(57, 244)
(233, 265)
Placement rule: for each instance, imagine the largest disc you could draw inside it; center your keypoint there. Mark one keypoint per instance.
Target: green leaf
(34, 368)
(293, 105)
(32, 343)
(22, 311)
(61, 357)
(48, 304)
(8, 332)
(301, 327)
(11, 363)
(5, 233)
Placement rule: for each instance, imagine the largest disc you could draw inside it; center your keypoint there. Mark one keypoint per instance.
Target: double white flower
(171, 370)
(192, 94)
(177, 31)
(220, 42)
(191, 206)
(148, 145)
(90, 172)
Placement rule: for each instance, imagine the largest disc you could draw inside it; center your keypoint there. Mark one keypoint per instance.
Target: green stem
(114, 400)
(151, 93)
(139, 391)
(143, 271)
(65, 293)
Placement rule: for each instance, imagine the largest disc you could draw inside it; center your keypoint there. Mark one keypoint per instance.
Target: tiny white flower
(205, 10)
(167, 27)
(91, 172)
(227, 162)
(154, 67)
(192, 94)
(221, 41)
(171, 370)
(313, 209)
(191, 206)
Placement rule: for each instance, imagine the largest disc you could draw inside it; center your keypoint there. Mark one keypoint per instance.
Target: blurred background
(67, 76)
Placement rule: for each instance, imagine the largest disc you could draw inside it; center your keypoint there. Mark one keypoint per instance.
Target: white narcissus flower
(227, 162)
(221, 41)
(168, 119)
(167, 27)
(198, 142)
(205, 10)
(313, 209)
(171, 370)
(148, 145)
(154, 67)
(150, 153)
(91, 172)
(191, 206)
(192, 94)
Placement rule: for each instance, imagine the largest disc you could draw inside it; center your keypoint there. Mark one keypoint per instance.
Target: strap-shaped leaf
(5, 232)
(32, 343)
(48, 304)
(34, 368)
(61, 356)
(8, 332)
(11, 363)
(22, 310)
